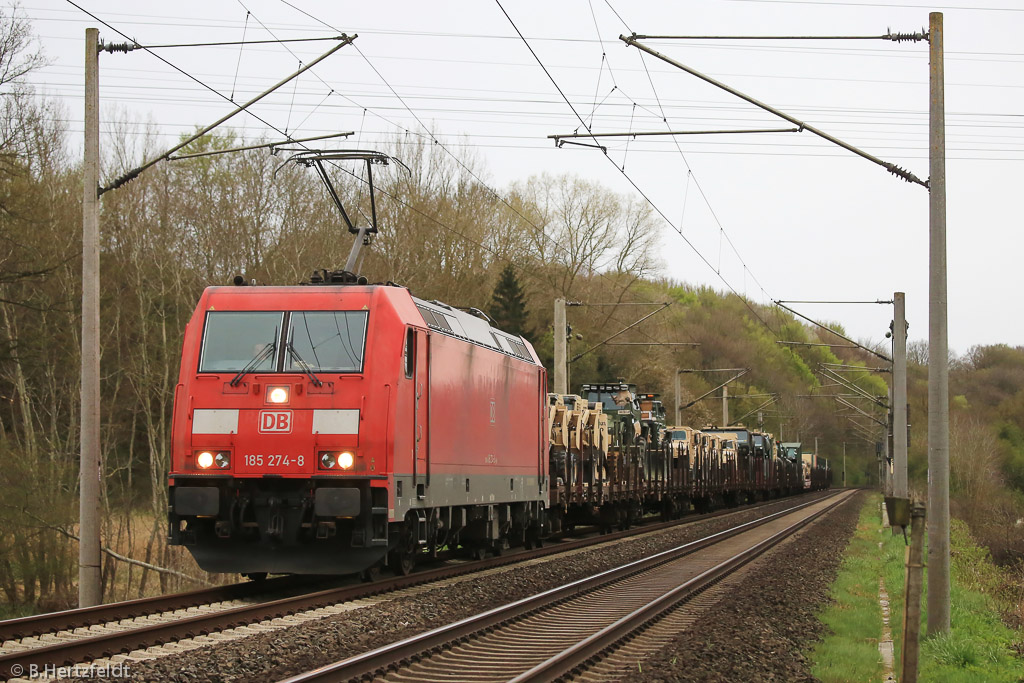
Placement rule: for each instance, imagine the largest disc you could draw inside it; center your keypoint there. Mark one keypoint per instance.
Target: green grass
(8, 611)
(854, 619)
(979, 645)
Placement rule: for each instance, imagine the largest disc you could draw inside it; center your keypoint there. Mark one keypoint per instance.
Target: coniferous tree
(508, 306)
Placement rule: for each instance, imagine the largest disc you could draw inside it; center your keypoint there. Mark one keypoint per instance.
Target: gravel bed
(761, 629)
(279, 654)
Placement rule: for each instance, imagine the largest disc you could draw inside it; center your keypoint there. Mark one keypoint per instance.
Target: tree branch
(119, 556)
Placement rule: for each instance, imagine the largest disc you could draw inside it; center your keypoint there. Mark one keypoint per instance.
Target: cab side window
(410, 352)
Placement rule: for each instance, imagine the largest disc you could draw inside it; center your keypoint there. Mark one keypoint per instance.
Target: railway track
(88, 634)
(563, 630)
(85, 617)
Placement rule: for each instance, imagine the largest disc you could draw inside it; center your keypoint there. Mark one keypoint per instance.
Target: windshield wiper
(266, 352)
(303, 365)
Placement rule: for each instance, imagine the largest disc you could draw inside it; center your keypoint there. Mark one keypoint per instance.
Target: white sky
(808, 220)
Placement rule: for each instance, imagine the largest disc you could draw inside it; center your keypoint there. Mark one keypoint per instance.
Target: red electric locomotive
(334, 427)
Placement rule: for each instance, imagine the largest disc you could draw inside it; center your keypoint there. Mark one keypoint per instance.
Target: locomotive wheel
(402, 558)
(370, 575)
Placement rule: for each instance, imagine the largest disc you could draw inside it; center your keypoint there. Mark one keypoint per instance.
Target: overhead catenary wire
(264, 145)
(624, 174)
(605, 341)
(521, 116)
(130, 175)
(835, 377)
(889, 166)
(436, 141)
(832, 346)
(474, 142)
(1000, 57)
(239, 42)
(238, 63)
(635, 134)
(898, 37)
(176, 68)
(832, 331)
(843, 367)
(206, 22)
(518, 96)
(697, 184)
(814, 301)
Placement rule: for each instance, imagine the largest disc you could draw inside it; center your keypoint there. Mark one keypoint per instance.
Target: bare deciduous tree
(581, 229)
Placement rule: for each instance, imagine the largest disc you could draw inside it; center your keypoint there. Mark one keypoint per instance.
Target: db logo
(275, 421)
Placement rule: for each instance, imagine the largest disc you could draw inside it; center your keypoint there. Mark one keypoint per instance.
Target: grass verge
(854, 617)
(979, 647)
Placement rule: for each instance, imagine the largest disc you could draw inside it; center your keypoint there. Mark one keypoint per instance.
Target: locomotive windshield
(233, 339)
(327, 341)
(249, 341)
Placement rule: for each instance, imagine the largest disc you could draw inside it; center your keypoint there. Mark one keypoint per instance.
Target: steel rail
(68, 620)
(607, 638)
(378, 661)
(108, 644)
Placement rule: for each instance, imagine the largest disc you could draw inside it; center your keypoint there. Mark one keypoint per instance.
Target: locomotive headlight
(344, 460)
(277, 395)
(206, 460)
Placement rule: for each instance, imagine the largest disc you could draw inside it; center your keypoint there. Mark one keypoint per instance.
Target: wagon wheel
(622, 516)
(533, 537)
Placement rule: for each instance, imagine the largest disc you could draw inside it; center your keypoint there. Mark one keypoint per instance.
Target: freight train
(336, 427)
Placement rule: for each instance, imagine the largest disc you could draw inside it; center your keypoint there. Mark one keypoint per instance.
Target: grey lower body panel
(456, 490)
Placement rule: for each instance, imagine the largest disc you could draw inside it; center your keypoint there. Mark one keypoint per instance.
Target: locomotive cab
(277, 438)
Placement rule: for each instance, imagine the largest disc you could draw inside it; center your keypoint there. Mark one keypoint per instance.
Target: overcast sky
(773, 216)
